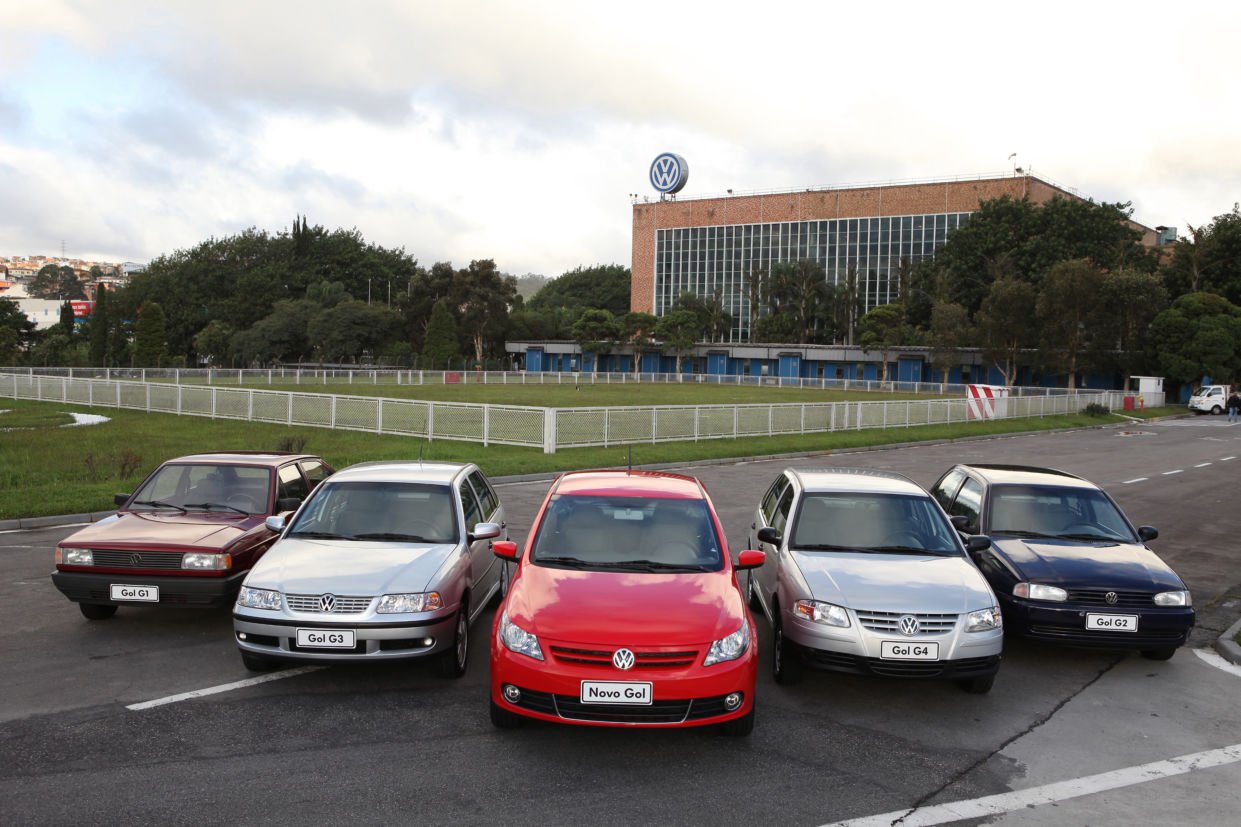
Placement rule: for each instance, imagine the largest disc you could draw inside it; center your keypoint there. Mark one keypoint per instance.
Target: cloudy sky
(517, 130)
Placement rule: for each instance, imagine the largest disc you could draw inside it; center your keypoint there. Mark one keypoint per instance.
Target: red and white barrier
(986, 401)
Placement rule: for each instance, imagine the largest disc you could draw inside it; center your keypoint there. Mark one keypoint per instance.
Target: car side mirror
(977, 542)
(275, 523)
(751, 558)
(505, 549)
(769, 535)
(484, 531)
(120, 499)
(961, 523)
(1147, 533)
(288, 503)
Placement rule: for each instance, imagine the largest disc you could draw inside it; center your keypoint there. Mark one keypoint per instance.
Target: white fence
(547, 428)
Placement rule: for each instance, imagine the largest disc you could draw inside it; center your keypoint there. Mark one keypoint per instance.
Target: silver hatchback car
(866, 574)
(386, 560)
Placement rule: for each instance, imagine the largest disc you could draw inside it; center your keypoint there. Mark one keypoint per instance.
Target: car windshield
(873, 522)
(647, 534)
(389, 511)
(181, 487)
(1054, 512)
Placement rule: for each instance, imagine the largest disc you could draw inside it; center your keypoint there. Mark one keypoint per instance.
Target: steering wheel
(243, 501)
(677, 551)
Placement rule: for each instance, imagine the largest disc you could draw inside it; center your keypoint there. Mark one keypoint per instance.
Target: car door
(484, 566)
(775, 514)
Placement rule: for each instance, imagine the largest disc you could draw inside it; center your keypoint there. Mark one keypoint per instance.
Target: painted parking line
(992, 805)
(1169, 473)
(1202, 465)
(224, 687)
(1211, 657)
(1136, 479)
(1225, 459)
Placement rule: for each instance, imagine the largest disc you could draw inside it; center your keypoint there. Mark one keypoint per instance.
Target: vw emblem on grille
(327, 602)
(135, 559)
(623, 659)
(1111, 598)
(909, 625)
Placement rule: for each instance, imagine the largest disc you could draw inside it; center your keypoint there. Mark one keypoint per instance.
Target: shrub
(1095, 409)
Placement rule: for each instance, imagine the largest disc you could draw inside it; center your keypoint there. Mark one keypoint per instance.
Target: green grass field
(47, 469)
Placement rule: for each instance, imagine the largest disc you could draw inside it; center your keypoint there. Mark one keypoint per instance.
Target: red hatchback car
(624, 610)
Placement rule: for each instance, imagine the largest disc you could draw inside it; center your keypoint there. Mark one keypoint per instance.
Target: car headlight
(984, 620)
(75, 557)
(729, 648)
(259, 599)
(206, 562)
(829, 614)
(1037, 591)
(516, 639)
(1167, 599)
(393, 604)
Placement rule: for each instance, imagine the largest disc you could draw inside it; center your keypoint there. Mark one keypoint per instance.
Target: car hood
(1070, 563)
(353, 568)
(204, 532)
(895, 583)
(625, 608)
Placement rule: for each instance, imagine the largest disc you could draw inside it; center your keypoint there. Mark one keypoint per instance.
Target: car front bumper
(1158, 627)
(275, 637)
(185, 592)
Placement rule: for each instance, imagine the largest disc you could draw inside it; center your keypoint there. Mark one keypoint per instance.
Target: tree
(150, 338)
(798, 289)
(847, 304)
(678, 331)
(1006, 324)
(1069, 315)
(719, 320)
(1130, 301)
(211, 343)
(638, 328)
(596, 331)
(12, 319)
(8, 346)
(756, 296)
(67, 318)
(950, 332)
(56, 282)
(283, 335)
(883, 329)
(441, 339)
(1210, 259)
(482, 296)
(348, 330)
(602, 286)
(1199, 336)
(98, 329)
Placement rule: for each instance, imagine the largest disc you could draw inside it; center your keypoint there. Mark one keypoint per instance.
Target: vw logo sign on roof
(669, 173)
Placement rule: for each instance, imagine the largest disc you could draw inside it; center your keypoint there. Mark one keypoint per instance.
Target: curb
(1226, 644)
(25, 523)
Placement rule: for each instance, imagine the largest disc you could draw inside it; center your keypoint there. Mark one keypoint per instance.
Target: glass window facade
(704, 260)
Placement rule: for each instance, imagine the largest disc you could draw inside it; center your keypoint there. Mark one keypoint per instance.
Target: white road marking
(1136, 479)
(1202, 465)
(1225, 459)
(1213, 658)
(1167, 473)
(992, 805)
(225, 687)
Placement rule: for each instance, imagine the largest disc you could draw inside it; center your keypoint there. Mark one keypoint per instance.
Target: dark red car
(188, 535)
(624, 610)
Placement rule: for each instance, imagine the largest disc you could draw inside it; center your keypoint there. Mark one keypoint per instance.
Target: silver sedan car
(385, 561)
(865, 574)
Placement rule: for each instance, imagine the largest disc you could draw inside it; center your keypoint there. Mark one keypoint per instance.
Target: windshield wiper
(654, 565)
(319, 535)
(159, 504)
(210, 506)
(909, 550)
(1085, 536)
(567, 562)
(391, 535)
(820, 547)
(1017, 532)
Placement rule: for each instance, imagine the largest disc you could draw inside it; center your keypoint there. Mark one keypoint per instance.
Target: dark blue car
(1066, 564)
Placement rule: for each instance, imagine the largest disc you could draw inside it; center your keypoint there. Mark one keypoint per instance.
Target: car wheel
(255, 663)
(452, 662)
(501, 718)
(978, 686)
(1159, 654)
(1216, 410)
(739, 727)
(786, 665)
(97, 611)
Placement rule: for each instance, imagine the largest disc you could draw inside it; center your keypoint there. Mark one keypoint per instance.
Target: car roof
(268, 458)
(440, 473)
(867, 480)
(996, 474)
(623, 483)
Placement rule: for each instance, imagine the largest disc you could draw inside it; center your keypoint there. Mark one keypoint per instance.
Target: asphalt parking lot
(1066, 736)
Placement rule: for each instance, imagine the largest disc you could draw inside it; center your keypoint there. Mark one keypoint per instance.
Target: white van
(1210, 399)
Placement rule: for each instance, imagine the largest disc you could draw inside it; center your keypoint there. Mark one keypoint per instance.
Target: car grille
(310, 603)
(642, 660)
(111, 558)
(843, 662)
(1122, 640)
(1098, 597)
(659, 712)
(888, 623)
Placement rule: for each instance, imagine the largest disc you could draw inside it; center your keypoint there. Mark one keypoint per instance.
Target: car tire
(97, 611)
(256, 663)
(977, 686)
(786, 665)
(739, 727)
(1159, 654)
(501, 718)
(1216, 410)
(452, 662)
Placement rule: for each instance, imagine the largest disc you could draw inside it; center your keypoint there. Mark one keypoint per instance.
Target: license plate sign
(138, 594)
(1111, 623)
(618, 692)
(326, 638)
(902, 650)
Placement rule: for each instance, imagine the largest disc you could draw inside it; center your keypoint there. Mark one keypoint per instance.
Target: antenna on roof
(630, 452)
(419, 455)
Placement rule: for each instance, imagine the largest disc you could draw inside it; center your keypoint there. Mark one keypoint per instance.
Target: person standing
(1234, 406)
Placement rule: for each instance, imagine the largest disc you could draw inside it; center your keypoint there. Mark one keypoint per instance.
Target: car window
(396, 511)
(854, 521)
(487, 499)
(781, 516)
(773, 496)
(469, 506)
(1084, 513)
(181, 485)
(947, 487)
(291, 483)
(315, 472)
(968, 504)
(643, 534)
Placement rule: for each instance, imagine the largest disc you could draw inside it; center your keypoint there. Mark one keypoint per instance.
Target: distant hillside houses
(17, 271)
